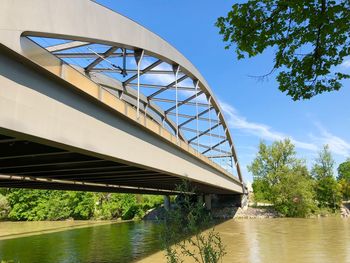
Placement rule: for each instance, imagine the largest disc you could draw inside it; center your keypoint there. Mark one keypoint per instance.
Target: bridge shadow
(219, 215)
(159, 255)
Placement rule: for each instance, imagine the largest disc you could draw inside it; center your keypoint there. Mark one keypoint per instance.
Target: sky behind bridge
(255, 109)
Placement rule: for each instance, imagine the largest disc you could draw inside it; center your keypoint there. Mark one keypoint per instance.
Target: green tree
(344, 178)
(283, 179)
(310, 39)
(27, 204)
(327, 189)
(294, 195)
(270, 162)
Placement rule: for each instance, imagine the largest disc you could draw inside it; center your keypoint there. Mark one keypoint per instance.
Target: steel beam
(68, 182)
(174, 101)
(211, 134)
(100, 58)
(189, 117)
(167, 87)
(65, 46)
(213, 147)
(91, 55)
(32, 155)
(155, 86)
(143, 71)
(180, 103)
(103, 168)
(194, 117)
(204, 132)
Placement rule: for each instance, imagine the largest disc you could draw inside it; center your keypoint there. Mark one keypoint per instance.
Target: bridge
(90, 100)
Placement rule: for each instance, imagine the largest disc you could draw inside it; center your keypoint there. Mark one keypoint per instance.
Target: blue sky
(256, 110)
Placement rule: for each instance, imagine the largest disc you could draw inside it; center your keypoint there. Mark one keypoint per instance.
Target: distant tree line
(33, 205)
(282, 179)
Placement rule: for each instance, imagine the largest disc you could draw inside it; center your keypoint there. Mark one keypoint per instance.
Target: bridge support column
(200, 199)
(166, 202)
(207, 200)
(220, 201)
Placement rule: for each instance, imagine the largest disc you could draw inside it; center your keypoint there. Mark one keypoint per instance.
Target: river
(247, 240)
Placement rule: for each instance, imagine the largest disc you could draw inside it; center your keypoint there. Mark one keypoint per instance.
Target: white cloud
(346, 63)
(236, 121)
(336, 144)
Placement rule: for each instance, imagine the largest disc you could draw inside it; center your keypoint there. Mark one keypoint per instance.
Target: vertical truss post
(176, 71)
(209, 108)
(220, 146)
(124, 62)
(233, 169)
(196, 83)
(138, 58)
(146, 108)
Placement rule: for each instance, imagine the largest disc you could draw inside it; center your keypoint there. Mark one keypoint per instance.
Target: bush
(25, 204)
(294, 195)
(183, 234)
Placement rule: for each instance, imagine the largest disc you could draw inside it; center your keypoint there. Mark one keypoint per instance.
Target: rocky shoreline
(252, 212)
(345, 210)
(241, 213)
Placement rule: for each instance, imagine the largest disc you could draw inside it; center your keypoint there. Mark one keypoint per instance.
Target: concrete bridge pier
(221, 201)
(166, 202)
(207, 200)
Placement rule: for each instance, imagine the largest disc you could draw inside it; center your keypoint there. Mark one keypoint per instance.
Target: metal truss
(152, 85)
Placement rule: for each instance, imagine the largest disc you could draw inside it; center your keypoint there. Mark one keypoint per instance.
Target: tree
(344, 178)
(310, 39)
(294, 195)
(283, 179)
(327, 189)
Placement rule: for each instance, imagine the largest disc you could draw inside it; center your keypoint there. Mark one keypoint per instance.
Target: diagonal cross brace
(144, 71)
(204, 132)
(99, 59)
(184, 101)
(195, 117)
(167, 87)
(213, 147)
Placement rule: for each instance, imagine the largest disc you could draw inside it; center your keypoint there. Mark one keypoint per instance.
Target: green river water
(250, 240)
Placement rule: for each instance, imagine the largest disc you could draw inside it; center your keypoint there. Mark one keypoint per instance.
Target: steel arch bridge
(113, 66)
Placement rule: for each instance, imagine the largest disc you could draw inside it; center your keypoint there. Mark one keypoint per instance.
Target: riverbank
(345, 210)
(256, 212)
(268, 211)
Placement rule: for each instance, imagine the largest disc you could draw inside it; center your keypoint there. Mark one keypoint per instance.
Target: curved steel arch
(87, 23)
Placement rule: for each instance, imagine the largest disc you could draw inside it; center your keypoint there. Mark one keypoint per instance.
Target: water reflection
(287, 240)
(255, 241)
(283, 240)
(108, 243)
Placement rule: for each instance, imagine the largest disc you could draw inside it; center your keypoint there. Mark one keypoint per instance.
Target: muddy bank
(345, 210)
